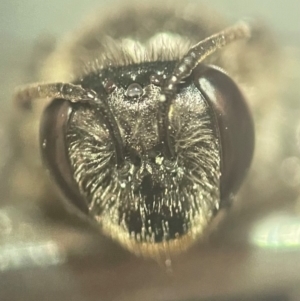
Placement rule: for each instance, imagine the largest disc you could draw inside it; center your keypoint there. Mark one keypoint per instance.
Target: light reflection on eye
(279, 232)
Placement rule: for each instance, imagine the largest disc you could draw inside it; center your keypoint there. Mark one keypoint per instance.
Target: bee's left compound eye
(235, 125)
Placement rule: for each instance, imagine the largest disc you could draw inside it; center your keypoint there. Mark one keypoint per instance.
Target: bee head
(149, 151)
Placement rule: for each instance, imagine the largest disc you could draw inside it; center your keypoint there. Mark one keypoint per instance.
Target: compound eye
(53, 129)
(234, 125)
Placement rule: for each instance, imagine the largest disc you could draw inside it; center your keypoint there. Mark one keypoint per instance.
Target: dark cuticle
(155, 79)
(109, 86)
(135, 157)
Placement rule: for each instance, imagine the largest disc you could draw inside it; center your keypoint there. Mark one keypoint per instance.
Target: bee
(146, 122)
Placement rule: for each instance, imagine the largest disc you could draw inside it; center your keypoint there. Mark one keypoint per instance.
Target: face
(148, 199)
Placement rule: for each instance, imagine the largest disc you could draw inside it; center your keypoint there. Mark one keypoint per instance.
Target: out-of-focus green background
(26, 19)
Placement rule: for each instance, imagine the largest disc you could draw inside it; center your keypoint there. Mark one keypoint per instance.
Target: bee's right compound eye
(53, 130)
(234, 124)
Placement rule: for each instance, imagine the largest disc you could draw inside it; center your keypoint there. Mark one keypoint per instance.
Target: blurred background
(40, 260)
(25, 20)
